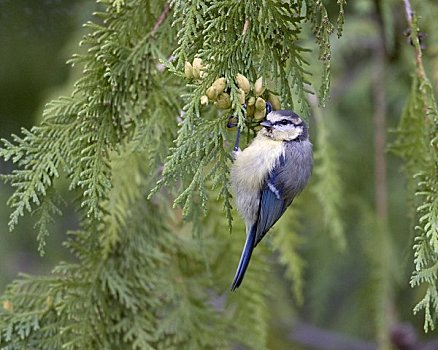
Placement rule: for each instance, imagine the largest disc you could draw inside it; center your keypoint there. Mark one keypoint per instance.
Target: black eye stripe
(283, 122)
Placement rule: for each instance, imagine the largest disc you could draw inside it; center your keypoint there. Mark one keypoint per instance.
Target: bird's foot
(235, 153)
(232, 122)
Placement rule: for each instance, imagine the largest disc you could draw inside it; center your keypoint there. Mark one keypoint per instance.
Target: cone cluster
(253, 95)
(194, 70)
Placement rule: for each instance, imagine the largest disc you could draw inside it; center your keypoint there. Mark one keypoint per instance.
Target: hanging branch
(417, 144)
(414, 38)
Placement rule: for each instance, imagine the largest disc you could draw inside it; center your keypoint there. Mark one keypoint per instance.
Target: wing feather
(272, 207)
(272, 202)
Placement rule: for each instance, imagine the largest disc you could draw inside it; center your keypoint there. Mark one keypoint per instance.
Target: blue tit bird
(268, 175)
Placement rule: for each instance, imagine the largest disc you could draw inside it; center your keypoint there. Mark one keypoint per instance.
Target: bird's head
(284, 125)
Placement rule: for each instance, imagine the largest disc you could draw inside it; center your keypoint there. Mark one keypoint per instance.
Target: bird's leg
(236, 150)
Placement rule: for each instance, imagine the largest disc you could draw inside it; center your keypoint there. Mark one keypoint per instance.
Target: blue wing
(271, 207)
(272, 203)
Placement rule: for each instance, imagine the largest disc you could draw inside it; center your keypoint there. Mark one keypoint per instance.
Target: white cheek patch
(289, 135)
(295, 132)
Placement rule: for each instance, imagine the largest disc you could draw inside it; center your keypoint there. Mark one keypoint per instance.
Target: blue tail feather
(244, 259)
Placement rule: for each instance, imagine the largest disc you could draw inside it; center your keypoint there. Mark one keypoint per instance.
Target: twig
(385, 294)
(236, 144)
(414, 37)
(160, 19)
(408, 10)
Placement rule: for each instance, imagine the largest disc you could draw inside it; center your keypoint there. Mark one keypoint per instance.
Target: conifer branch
(328, 187)
(417, 143)
(139, 281)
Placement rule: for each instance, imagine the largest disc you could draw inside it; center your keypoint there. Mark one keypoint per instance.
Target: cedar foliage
(141, 282)
(147, 276)
(417, 144)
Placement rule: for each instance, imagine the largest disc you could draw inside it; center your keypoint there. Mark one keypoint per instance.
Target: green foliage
(42, 153)
(328, 188)
(287, 242)
(322, 29)
(144, 277)
(417, 143)
(46, 216)
(140, 281)
(236, 37)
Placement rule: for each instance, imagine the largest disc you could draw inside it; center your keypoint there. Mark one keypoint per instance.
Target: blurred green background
(36, 39)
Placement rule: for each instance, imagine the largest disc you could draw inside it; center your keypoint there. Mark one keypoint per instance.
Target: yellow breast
(255, 162)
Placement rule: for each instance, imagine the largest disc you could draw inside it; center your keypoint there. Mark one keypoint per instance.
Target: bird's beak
(267, 124)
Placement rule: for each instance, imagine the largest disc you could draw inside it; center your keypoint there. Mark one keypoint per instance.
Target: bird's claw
(232, 122)
(234, 153)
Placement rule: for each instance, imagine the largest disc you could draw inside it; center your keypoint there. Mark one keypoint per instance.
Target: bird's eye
(284, 122)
